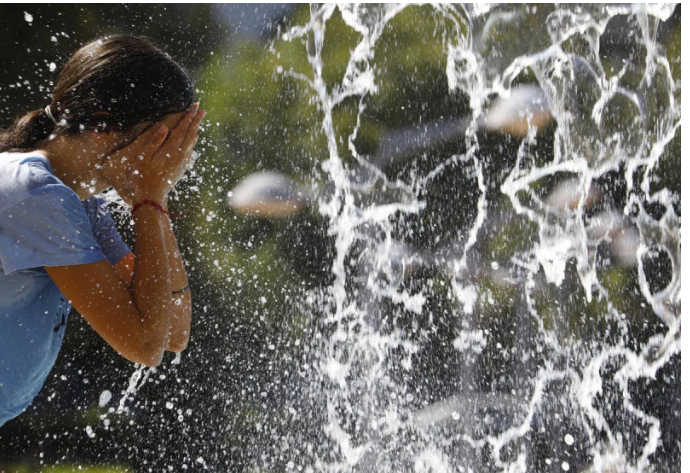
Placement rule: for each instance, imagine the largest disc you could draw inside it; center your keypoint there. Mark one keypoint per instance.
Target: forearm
(145, 182)
(151, 281)
(182, 302)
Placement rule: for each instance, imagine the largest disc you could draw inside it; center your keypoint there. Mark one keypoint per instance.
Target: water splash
(614, 117)
(136, 381)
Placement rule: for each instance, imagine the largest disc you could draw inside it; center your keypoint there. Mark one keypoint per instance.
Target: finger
(193, 132)
(187, 162)
(190, 150)
(155, 141)
(144, 137)
(197, 120)
(178, 133)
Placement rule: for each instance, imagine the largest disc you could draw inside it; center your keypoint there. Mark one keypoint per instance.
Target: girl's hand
(151, 166)
(118, 167)
(157, 176)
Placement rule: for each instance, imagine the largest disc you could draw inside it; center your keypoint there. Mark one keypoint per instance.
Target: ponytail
(27, 131)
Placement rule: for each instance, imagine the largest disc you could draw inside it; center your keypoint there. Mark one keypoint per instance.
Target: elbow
(178, 344)
(147, 352)
(150, 358)
(179, 334)
(152, 352)
(179, 338)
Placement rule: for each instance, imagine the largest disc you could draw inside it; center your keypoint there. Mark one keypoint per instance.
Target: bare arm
(181, 308)
(136, 324)
(182, 302)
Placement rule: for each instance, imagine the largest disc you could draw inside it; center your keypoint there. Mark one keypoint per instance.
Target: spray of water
(608, 121)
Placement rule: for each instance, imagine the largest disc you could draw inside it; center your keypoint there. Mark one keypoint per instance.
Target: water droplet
(28, 17)
(104, 398)
(568, 439)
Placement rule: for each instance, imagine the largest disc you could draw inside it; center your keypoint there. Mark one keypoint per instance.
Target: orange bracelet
(155, 205)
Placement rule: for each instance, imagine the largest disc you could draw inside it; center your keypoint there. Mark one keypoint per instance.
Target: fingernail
(203, 113)
(162, 130)
(196, 106)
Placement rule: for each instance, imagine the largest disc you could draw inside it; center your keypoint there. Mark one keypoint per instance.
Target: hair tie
(50, 114)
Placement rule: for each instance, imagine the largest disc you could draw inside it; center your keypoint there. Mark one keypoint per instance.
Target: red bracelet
(157, 206)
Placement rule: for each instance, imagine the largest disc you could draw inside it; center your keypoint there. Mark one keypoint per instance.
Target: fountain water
(510, 346)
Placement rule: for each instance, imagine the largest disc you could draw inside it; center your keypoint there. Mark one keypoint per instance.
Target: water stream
(445, 356)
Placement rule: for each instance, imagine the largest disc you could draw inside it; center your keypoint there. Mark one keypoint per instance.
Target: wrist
(146, 213)
(160, 199)
(155, 205)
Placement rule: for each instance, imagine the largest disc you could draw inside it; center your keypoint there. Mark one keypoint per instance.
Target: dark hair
(112, 84)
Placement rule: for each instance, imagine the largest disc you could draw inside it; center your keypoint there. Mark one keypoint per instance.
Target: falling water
(542, 359)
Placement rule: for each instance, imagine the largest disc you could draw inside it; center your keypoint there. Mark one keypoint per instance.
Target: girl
(122, 116)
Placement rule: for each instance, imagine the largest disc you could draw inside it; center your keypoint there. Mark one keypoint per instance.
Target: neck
(74, 163)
